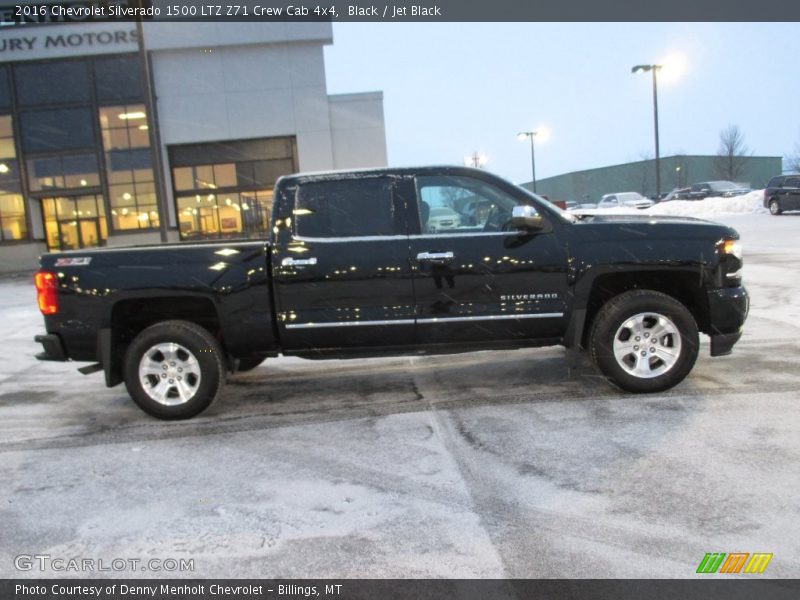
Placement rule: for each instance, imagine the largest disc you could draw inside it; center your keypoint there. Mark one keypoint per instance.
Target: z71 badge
(78, 261)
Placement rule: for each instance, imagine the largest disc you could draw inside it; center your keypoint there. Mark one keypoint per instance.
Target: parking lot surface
(488, 465)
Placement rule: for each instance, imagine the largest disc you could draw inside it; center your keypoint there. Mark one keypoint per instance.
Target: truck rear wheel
(644, 341)
(174, 370)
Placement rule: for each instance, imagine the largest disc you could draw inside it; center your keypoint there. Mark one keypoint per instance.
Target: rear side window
(345, 208)
(775, 182)
(792, 182)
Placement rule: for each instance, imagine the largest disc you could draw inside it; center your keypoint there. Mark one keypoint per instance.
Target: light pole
(653, 69)
(530, 134)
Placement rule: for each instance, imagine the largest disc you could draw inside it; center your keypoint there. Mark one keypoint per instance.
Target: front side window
(345, 208)
(457, 205)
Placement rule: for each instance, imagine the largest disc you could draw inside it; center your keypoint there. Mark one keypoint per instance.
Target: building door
(73, 222)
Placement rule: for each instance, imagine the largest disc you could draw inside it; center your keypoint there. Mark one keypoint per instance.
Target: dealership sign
(25, 43)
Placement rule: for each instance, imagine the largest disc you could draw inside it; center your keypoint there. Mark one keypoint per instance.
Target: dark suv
(782, 193)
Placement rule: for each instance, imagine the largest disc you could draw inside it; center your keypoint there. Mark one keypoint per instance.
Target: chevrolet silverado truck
(353, 268)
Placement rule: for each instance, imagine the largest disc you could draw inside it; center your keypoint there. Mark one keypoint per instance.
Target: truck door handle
(298, 262)
(435, 257)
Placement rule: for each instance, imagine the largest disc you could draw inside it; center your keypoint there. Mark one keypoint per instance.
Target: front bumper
(727, 309)
(53, 347)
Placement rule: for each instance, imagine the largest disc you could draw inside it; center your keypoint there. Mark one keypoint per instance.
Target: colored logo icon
(735, 562)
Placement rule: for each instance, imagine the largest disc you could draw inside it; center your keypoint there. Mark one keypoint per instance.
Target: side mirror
(526, 218)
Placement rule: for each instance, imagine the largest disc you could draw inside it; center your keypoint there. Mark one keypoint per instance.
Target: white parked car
(443, 218)
(624, 199)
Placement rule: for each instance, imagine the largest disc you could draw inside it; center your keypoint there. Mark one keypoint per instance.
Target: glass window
(74, 222)
(455, 204)
(792, 182)
(775, 182)
(74, 171)
(52, 83)
(224, 215)
(345, 208)
(126, 144)
(224, 190)
(183, 178)
(9, 175)
(61, 129)
(225, 175)
(118, 79)
(12, 218)
(5, 90)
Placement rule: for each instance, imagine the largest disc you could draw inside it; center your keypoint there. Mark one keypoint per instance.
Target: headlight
(731, 248)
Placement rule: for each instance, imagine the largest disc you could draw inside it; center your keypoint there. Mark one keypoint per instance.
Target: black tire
(666, 362)
(198, 364)
(248, 364)
(775, 207)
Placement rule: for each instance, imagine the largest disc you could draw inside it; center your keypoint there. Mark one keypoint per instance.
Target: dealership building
(106, 141)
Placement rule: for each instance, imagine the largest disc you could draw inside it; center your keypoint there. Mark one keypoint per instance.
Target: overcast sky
(454, 88)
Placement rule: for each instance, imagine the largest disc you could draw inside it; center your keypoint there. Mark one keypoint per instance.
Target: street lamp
(653, 69)
(521, 137)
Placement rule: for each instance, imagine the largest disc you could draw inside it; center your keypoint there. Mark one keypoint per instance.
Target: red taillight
(46, 292)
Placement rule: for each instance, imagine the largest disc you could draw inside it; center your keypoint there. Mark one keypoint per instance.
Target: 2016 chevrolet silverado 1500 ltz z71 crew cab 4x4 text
(353, 267)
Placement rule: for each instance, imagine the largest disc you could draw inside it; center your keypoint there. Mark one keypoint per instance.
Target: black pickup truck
(353, 268)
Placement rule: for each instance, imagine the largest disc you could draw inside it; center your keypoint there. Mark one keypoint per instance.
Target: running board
(89, 369)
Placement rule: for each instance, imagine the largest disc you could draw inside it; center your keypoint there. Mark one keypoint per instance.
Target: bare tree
(793, 160)
(733, 155)
(646, 172)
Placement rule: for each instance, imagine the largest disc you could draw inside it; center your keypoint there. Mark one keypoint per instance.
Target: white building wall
(358, 133)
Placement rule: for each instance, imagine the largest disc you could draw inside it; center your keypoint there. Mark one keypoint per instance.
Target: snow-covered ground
(492, 464)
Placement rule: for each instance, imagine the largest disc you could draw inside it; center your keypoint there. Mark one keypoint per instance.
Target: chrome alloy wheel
(647, 345)
(170, 374)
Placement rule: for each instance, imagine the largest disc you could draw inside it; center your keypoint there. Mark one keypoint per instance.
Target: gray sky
(454, 88)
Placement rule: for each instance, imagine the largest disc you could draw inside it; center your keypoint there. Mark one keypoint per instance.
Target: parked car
(624, 199)
(782, 193)
(574, 205)
(722, 189)
(349, 270)
(677, 194)
(443, 218)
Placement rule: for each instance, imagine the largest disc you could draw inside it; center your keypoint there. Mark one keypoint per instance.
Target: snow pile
(747, 204)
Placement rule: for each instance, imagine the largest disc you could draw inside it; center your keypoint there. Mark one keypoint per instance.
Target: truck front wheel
(174, 369)
(644, 341)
